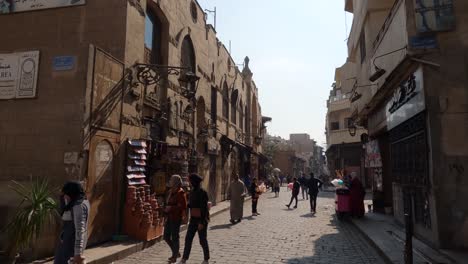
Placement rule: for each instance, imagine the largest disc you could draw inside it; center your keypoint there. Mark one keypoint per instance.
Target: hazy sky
(294, 47)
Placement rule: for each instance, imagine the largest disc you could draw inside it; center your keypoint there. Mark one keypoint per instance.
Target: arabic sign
(423, 42)
(13, 6)
(408, 100)
(18, 74)
(434, 15)
(64, 63)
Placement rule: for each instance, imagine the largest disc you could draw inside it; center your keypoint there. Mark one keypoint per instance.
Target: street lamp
(352, 129)
(189, 84)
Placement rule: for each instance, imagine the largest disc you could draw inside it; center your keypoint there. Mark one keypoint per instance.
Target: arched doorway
(101, 191)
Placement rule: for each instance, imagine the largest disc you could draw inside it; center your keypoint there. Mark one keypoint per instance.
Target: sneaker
(232, 221)
(295, 207)
(287, 206)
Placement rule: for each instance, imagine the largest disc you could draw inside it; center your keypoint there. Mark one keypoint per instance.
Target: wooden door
(101, 191)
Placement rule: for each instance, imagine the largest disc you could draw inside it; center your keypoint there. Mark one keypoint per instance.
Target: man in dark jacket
(313, 184)
(199, 218)
(295, 192)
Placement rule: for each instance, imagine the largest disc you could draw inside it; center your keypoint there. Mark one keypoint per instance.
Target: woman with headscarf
(176, 205)
(75, 215)
(199, 218)
(357, 193)
(255, 193)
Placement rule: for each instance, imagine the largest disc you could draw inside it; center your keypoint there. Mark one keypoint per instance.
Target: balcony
(337, 103)
(342, 136)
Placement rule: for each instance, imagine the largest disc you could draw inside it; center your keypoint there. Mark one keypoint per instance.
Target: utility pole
(213, 11)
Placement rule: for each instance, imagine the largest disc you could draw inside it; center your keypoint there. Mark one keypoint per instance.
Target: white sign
(18, 74)
(408, 100)
(13, 6)
(70, 158)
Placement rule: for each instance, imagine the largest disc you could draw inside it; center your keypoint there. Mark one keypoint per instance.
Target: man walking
(313, 184)
(199, 218)
(295, 192)
(236, 191)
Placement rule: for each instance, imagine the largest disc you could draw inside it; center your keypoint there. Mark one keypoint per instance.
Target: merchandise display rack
(143, 217)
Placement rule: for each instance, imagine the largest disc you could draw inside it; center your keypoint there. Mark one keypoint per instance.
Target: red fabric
(178, 203)
(357, 194)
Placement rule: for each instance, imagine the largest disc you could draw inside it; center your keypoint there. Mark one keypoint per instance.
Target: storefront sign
(408, 100)
(434, 15)
(13, 6)
(18, 74)
(373, 158)
(64, 63)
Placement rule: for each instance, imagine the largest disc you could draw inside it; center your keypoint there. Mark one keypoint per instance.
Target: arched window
(225, 101)
(241, 116)
(234, 96)
(187, 56)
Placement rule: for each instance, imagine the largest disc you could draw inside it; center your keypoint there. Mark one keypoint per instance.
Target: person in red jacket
(295, 192)
(176, 206)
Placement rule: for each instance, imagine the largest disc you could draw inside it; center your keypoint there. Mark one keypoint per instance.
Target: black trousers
(202, 235)
(292, 198)
(171, 236)
(254, 205)
(313, 201)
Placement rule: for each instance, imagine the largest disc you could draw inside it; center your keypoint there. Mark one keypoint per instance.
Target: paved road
(278, 235)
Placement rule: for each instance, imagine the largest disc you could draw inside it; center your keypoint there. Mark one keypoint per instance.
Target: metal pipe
(426, 62)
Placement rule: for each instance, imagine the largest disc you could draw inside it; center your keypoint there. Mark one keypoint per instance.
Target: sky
(294, 47)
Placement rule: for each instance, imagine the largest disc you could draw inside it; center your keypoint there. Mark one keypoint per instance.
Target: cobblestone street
(278, 235)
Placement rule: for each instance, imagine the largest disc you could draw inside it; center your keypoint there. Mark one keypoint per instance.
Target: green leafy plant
(36, 209)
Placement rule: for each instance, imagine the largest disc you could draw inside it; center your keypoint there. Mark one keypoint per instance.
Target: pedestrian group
(75, 210)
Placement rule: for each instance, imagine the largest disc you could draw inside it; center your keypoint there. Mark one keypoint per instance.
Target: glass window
(149, 30)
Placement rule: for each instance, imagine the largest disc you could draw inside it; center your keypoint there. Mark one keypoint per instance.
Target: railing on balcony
(338, 98)
(342, 136)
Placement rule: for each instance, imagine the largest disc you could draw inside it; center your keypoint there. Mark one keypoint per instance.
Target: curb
(371, 242)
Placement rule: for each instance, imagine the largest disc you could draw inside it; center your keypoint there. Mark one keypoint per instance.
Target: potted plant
(36, 210)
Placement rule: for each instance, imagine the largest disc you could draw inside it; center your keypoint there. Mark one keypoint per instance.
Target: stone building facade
(410, 62)
(344, 151)
(88, 102)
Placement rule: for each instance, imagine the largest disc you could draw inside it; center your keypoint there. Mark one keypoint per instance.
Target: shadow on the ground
(308, 215)
(224, 226)
(248, 217)
(327, 249)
